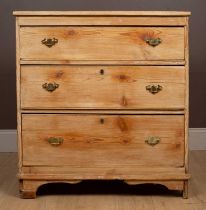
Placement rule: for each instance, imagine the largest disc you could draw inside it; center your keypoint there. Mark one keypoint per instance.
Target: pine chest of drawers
(102, 95)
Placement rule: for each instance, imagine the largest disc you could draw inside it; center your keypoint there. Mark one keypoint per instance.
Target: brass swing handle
(55, 141)
(153, 41)
(50, 86)
(152, 140)
(154, 88)
(49, 42)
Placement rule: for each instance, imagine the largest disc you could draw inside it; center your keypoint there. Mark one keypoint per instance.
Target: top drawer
(102, 43)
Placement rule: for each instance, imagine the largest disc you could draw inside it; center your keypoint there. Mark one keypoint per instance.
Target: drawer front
(102, 43)
(103, 140)
(102, 87)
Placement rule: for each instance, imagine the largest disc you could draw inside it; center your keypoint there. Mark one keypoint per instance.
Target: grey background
(197, 46)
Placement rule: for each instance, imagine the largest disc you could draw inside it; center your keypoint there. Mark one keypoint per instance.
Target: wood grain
(100, 21)
(185, 192)
(102, 43)
(100, 111)
(130, 172)
(174, 185)
(102, 13)
(101, 196)
(18, 95)
(127, 173)
(117, 141)
(106, 62)
(84, 87)
(104, 118)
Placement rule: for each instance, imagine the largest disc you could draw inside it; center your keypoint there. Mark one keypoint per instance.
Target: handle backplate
(55, 141)
(153, 41)
(154, 88)
(152, 140)
(49, 42)
(50, 86)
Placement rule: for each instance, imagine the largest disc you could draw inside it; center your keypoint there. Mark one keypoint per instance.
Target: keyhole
(102, 71)
(102, 121)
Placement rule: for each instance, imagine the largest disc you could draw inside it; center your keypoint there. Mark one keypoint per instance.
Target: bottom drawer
(93, 140)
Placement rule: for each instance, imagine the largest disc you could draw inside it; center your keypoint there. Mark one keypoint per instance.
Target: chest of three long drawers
(102, 95)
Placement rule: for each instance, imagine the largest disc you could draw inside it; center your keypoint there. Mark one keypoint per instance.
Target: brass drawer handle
(49, 42)
(50, 86)
(153, 41)
(55, 141)
(152, 140)
(153, 88)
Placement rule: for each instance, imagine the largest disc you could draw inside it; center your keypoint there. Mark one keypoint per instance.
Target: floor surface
(108, 195)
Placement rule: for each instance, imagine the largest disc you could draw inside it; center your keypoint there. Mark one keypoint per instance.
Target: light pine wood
(148, 178)
(101, 21)
(133, 197)
(102, 43)
(104, 118)
(102, 13)
(105, 62)
(174, 185)
(49, 171)
(100, 111)
(118, 141)
(18, 94)
(185, 192)
(117, 88)
(28, 188)
(126, 173)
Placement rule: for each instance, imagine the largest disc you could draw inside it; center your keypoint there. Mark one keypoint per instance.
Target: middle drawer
(102, 87)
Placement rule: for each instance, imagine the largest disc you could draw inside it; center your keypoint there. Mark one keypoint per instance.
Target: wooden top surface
(101, 13)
